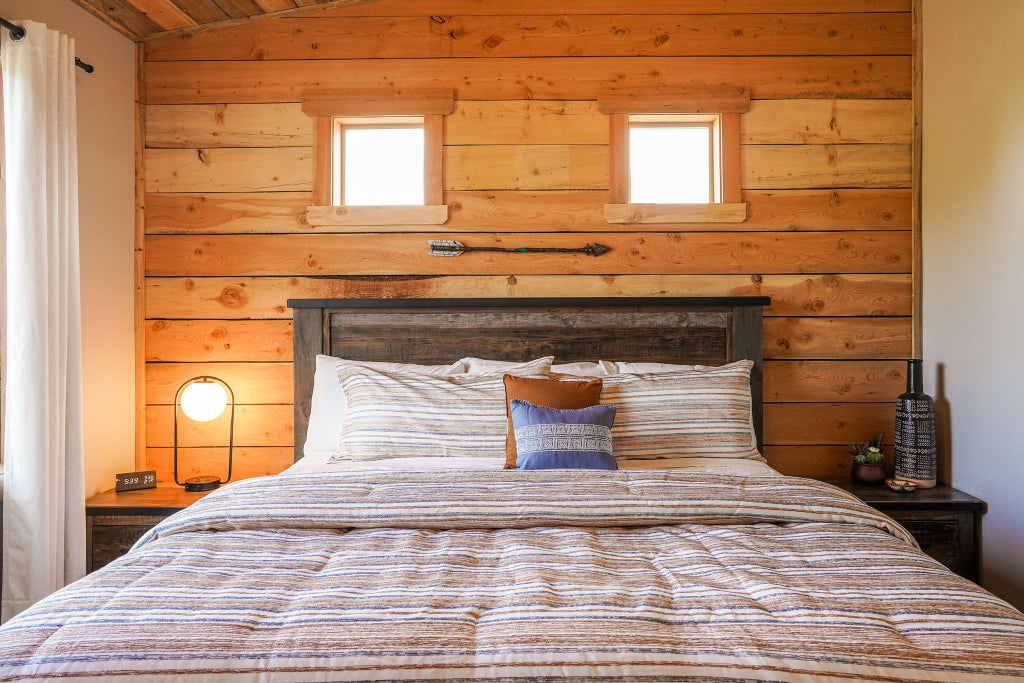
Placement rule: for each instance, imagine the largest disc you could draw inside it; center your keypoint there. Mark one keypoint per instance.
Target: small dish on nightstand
(901, 486)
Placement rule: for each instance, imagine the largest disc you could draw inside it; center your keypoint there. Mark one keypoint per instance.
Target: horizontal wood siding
(825, 170)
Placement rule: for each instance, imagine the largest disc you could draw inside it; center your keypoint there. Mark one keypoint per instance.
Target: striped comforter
(632, 575)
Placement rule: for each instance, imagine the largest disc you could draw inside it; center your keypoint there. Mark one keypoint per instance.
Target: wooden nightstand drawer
(109, 537)
(938, 534)
(943, 520)
(115, 521)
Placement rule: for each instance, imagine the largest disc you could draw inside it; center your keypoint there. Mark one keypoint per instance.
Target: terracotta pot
(868, 473)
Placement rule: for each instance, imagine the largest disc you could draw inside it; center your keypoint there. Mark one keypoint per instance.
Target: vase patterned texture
(915, 431)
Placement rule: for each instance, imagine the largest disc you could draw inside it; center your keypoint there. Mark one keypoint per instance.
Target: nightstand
(114, 521)
(944, 521)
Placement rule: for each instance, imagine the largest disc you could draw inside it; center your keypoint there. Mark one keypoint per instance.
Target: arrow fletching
(446, 248)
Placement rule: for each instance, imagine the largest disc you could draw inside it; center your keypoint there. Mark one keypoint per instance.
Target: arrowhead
(598, 249)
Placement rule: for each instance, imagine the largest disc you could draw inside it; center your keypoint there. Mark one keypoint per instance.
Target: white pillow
(648, 368)
(601, 368)
(485, 366)
(405, 415)
(328, 406)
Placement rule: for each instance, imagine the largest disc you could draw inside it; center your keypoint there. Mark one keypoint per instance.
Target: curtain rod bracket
(18, 33)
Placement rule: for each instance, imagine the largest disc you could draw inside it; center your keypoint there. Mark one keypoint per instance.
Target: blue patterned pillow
(551, 439)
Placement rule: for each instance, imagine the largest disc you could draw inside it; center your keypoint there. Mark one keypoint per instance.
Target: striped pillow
(395, 415)
(703, 412)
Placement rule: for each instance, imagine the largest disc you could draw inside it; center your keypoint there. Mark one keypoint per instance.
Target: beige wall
(973, 239)
(106, 166)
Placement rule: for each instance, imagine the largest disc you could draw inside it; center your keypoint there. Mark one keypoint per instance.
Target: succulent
(870, 452)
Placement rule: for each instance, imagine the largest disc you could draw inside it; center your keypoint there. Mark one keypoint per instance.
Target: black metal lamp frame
(204, 482)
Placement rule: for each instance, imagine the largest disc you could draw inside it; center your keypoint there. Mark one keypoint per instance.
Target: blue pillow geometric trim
(549, 438)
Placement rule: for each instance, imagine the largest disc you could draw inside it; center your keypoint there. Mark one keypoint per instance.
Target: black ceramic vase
(915, 431)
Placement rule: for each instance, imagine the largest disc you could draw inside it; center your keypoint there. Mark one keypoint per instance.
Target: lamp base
(204, 483)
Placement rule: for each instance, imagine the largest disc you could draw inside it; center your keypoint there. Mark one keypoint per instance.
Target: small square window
(379, 161)
(674, 159)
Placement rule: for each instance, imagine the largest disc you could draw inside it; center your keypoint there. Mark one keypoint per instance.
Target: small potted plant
(867, 461)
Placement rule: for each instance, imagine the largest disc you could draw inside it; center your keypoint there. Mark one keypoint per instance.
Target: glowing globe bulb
(203, 400)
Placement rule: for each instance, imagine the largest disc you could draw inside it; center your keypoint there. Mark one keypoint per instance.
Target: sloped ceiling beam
(164, 13)
(142, 20)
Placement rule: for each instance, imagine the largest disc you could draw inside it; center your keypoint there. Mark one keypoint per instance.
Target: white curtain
(44, 499)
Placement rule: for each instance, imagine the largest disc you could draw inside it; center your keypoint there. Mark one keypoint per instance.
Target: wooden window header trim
(380, 102)
(669, 100)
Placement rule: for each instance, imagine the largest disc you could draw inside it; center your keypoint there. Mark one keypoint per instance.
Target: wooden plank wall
(826, 168)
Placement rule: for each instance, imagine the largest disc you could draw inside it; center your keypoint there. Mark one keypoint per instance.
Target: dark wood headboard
(707, 331)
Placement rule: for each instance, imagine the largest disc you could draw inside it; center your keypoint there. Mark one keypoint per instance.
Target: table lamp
(203, 399)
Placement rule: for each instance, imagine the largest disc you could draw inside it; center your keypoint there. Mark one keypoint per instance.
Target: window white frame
(710, 122)
(341, 124)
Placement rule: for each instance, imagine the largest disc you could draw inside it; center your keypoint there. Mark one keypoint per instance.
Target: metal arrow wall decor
(456, 248)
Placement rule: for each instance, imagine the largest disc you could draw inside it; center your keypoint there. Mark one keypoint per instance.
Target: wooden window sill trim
(675, 213)
(377, 215)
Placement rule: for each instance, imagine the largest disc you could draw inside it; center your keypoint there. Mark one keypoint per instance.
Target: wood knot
(737, 32)
(158, 325)
(756, 279)
(832, 33)
(492, 42)
(233, 297)
(814, 305)
(190, 285)
(437, 20)
(619, 31)
(203, 156)
(512, 281)
(219, 332)
(660, 40)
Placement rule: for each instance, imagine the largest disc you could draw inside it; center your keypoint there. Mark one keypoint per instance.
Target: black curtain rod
(18, 33)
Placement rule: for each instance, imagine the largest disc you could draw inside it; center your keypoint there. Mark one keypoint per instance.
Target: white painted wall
(973, 238)
(106, 172)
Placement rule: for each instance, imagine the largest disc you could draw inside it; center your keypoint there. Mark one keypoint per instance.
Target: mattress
(635, 574)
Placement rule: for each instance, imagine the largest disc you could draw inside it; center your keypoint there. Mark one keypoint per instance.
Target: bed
(705, 567)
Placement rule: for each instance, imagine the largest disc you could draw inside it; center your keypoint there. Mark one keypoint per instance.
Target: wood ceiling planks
(145, 19)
